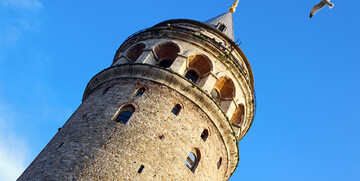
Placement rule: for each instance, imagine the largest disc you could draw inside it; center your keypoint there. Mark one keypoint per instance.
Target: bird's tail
(331, 5)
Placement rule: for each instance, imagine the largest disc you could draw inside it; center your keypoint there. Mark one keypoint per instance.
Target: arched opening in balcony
(166, 53)
(238, 116)
(225, 88)
(135, 51)
(199, 66)
(215, 95)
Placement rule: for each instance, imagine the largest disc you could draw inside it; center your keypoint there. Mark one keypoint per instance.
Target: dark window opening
(215, 95)
(141, 169)
(124, 117)
(165, 63)
(176, 109)
(192, 75)
(193, 160)
(219, 163)
(125, 113)
(140, 92)
(221, 27)
(199, 66)
(204, 134)
(166, 53)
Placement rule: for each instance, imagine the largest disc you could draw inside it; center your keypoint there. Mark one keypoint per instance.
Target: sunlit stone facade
(172, 106)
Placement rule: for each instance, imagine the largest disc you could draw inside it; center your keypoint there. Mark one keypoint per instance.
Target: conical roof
(224, 23)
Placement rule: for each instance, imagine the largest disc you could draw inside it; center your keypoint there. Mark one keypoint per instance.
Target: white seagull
(320, 5)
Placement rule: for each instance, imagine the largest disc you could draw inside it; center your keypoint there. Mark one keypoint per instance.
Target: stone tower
(172, 106)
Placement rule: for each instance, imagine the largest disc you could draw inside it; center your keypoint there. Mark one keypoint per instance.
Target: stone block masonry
(172, 106)
(92, 146)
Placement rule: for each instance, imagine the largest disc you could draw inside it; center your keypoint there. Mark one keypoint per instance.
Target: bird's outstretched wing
(317, 8)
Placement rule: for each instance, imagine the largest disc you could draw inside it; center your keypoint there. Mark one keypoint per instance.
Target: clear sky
(307, 77)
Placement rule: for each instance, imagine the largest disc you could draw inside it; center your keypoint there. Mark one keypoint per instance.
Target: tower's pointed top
(224, 23)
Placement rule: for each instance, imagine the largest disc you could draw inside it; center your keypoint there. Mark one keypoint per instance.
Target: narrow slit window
(219, 163)
(176, 109)
(60, 145)
(140, 92)
(125, 113)
(141, 168)
(204, 134)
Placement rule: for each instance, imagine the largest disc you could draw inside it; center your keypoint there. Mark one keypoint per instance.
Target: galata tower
(172, 106)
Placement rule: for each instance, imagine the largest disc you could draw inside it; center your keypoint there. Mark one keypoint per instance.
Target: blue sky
(307, 77)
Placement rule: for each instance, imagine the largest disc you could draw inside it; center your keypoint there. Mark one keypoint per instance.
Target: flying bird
(320, 5)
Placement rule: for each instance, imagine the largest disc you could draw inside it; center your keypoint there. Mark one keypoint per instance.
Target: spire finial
(233, 7)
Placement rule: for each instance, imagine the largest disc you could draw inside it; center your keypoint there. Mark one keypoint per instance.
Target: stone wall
(155, 143)
(190, 46)
(92, 146)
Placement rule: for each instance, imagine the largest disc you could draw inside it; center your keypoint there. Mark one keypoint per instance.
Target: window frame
(177, 108)
(193, 163)
(140, 91)
(129, 107)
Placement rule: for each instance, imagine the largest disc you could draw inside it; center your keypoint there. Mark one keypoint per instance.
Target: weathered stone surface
(93, 146)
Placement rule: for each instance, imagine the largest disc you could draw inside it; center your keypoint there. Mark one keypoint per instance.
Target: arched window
(199, 65)
(215, 94)
(226, 87)
(192, 75)
(238, 116)
(140, 92)
(176, 109)
(204, 134)
(125, 113)
(134, 53)
(166, 53)
(192, 161)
